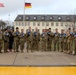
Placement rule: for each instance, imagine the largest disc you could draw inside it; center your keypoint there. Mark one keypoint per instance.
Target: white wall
(25, 27)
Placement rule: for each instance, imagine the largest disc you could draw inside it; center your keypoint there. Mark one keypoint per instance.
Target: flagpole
(24, 16)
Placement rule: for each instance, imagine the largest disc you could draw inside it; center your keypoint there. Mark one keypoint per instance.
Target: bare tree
(2, 24)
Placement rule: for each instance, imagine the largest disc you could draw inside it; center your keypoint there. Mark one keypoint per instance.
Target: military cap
(17, 28)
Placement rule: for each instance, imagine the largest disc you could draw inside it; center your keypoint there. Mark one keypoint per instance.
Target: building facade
(45, 22)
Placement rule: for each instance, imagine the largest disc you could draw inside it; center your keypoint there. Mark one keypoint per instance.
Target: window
(28, 23)
(22, 23)
(34, 24)
(47, 23)
(61, 24)
(38, 23)
(42, 23)
(51, 18)
(25, 23)
(59, 18)
(68, 18)
(20, 18)
(27, 18)
(56, 24)
(42, 18)
(19, 23)
(66, 25)
(52, 24)
(16, 23)
(34, 18)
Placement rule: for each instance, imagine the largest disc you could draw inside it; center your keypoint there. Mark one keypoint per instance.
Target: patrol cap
(50, 28)
(17, 28)
(69, 28)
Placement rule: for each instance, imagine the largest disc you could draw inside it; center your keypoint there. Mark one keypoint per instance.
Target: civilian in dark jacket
(11, 39)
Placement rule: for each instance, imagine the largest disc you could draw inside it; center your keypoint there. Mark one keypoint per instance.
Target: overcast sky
(15, 7)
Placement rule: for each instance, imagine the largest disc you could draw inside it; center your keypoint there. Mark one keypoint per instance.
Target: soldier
(36, 39)
(44, 41)
(56, 40)
(1, 41)
(22, 40)
(16, 35)
(62, 40)
(74, 42)
(6, 40)
(65, 42)
(49, 39)
(68, 41)
(29, 40)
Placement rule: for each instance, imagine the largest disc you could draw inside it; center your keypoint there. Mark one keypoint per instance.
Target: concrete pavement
(37, 58)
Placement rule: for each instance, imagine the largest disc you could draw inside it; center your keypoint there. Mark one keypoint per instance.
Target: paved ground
(37, 58)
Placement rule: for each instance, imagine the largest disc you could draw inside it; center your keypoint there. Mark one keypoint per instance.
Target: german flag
(28, 5)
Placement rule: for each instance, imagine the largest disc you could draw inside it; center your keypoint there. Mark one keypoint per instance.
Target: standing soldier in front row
(65, 42)
(56, 40)
(1, 41)
(6, 40)
(16, 35)
(36, 39)
(44, 41)
(74, 34)
(49, 39)
(68, 42)
(22, 40)
(29, 40)
(62, 40)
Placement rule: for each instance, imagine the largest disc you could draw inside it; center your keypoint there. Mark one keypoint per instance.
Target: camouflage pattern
(36, 40)
(1, 41)
(74, 43)
(16, 35)
(44, 41)
(29, 41)
(62, 41)
(56, 41)
(50, 36)
(68, 42)
(6, 41)
(22, 41)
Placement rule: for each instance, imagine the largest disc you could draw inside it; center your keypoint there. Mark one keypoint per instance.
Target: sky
(14, 7)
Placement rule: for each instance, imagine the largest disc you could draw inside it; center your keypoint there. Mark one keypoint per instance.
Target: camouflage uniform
(6, 41)
(74, 43)
(1, 42)
(56, 41)
(36, 40)
(69, 43)
(44, 41)
(29, 41)
(16, 40)
(22, 41)
(65, 43)
(62, 41)
(49, 40)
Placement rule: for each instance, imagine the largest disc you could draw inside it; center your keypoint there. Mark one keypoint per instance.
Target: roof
(63, 18)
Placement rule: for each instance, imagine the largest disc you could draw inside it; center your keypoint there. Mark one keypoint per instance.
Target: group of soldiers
(46, 41)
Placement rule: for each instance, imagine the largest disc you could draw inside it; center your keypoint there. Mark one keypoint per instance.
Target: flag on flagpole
(1, 5)
(28, 5)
